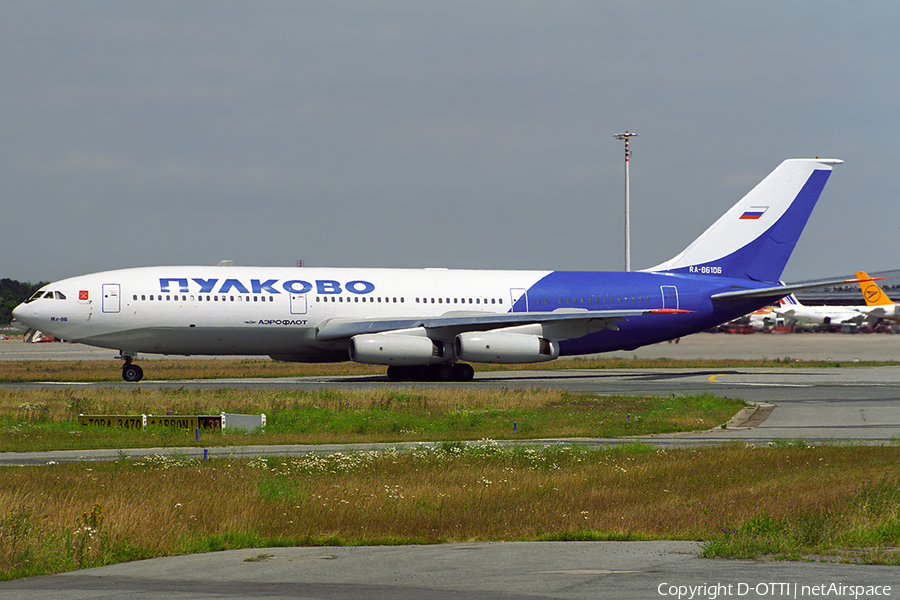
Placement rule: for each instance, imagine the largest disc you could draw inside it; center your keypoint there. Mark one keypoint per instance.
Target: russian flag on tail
(754, 213)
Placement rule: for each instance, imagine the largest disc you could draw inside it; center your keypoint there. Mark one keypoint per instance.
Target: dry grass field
(792, 501)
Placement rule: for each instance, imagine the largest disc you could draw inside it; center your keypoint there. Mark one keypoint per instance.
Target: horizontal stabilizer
(781, 291)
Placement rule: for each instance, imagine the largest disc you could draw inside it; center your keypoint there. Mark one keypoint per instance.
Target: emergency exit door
(111, 298)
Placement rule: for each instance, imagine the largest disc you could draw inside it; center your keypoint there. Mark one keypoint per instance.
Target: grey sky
(413, 134)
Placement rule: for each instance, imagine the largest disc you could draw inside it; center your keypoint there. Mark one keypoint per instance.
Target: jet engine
(504, 348)
(395, 349)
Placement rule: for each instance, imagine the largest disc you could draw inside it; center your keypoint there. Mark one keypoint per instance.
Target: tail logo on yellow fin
(872, 293)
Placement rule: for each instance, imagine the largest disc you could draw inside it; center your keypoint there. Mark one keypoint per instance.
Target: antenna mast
(625, 136)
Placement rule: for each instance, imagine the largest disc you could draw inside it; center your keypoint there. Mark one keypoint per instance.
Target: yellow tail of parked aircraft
(872, 292)
(881, 306)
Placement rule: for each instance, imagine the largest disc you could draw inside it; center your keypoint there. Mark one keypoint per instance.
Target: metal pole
(625, 136)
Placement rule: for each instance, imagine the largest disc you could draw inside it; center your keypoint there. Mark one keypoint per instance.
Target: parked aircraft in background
(762, 318)
(878, 303)
(790, 309)
(878, 306)
(423, 323)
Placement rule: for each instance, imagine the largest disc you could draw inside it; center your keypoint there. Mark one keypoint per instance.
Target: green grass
(864, 528)
(46, 419)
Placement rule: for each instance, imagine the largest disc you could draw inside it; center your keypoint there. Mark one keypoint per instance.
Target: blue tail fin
(755, 238)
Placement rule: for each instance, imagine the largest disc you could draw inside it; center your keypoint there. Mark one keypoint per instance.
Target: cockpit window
(44, 294)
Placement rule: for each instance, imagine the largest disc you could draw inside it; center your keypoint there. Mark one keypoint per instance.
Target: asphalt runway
(852, 405)
(788, 346)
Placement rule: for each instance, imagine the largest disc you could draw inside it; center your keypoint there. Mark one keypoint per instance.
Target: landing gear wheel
(463, 372)
(444, 372)
(398, 373)
(132, 373)
(441, 372)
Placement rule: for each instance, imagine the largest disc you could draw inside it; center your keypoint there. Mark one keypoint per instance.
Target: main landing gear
(443, 372)
(130, 372)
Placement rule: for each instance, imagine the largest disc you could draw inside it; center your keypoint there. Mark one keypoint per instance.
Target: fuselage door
(669, 296)
(298, 304)
(111, 298)
(519, 298)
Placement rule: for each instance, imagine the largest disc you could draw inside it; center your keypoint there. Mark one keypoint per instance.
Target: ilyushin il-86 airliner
(427, 324)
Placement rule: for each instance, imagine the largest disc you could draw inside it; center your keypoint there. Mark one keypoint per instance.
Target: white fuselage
(258, 310)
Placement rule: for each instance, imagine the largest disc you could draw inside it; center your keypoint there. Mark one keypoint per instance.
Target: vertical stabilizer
(872, 292)
(755, 238)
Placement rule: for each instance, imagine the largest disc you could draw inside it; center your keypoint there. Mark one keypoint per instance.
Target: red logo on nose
(83, 295)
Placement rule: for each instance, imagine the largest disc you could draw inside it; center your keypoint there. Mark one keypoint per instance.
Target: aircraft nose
(24, 314)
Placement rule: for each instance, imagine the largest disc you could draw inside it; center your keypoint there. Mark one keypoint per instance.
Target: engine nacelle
(504, 348)
(395, 349)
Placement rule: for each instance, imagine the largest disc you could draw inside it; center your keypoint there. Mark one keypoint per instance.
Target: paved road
(815, 404)
(498, 571)
(806, 346)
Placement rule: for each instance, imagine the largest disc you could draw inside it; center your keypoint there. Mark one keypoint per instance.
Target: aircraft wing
(577, 321)
(779, 291)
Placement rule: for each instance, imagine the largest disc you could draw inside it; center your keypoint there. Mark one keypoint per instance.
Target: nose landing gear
(130, 372)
